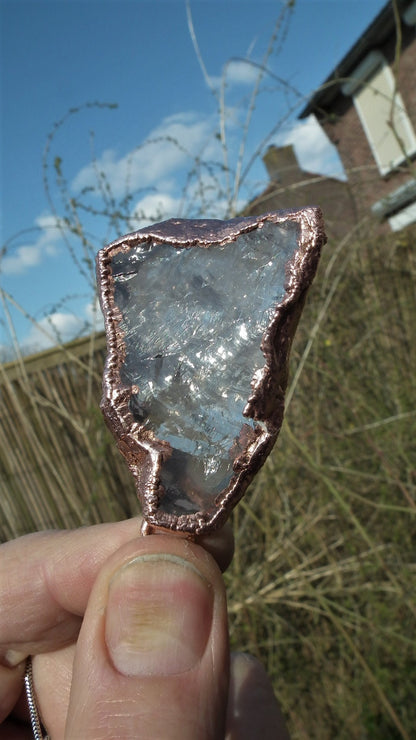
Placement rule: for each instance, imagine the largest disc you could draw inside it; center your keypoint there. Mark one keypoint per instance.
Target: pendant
(200, 316)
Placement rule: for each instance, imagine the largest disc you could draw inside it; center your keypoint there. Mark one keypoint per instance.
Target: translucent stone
(193, 321)
(190, 324)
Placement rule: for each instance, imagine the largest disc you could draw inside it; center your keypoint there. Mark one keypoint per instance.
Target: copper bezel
(142, 450)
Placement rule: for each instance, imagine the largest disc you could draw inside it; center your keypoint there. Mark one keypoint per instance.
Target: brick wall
(292, 187)
(344, 129)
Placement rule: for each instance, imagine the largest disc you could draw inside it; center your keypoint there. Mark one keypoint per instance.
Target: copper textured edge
(143, 453)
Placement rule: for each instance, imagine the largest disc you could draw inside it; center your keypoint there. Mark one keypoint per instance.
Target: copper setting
(147, 455)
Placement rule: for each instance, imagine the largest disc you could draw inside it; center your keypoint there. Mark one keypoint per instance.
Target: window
(382, 112)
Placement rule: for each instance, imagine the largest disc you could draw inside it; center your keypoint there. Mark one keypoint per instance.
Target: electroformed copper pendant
(200, 316)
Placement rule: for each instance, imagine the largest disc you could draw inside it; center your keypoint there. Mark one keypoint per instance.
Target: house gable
(367, 107)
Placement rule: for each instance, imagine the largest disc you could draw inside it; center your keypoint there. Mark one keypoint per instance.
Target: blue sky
(57, 55)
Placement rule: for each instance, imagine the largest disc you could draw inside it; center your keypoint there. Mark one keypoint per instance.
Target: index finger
(45, 582)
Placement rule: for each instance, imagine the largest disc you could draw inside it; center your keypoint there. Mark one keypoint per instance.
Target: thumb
(152, 656)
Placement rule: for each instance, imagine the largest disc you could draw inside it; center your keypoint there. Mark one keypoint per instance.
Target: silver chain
(33, 709)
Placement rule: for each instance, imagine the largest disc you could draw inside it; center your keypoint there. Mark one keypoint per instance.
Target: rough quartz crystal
(199, 317)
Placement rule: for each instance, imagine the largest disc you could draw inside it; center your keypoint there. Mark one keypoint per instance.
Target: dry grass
(322, 584)
(58, 465)
(322, 588)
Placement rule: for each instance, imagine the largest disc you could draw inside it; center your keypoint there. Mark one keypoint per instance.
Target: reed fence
(59, 466)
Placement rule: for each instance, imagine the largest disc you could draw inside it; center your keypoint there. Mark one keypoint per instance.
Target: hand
(129, 639)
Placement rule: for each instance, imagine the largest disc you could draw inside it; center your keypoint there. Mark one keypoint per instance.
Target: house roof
(380, 28)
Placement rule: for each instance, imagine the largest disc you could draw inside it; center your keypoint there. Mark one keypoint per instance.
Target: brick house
(292, 187)
(367, 107)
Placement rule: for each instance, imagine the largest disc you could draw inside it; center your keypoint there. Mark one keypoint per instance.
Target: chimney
(282, 165)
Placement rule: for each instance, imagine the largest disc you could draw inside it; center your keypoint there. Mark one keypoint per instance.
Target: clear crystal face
(192, 321)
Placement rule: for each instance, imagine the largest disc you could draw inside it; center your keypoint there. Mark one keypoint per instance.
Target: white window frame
(403, 218)
(374, 63)
(398, 199)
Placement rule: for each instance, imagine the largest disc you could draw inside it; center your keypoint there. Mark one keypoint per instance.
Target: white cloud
(236, 72)
(94, 316)
(60, 327)
(154, 207)
(313, 148)
(240, 72)
(171, 145)
(56, 328)
(26, 256)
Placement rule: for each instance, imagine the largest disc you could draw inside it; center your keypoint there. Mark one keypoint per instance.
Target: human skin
(129, 638)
